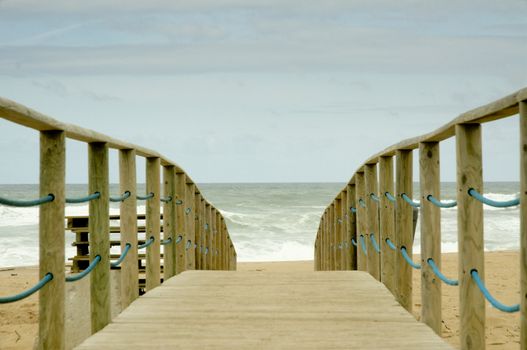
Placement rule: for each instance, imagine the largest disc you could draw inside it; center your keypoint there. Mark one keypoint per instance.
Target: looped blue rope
(147, 243)
(188, 245)
(374, 197)
(408, 259)
(26, 203)
(87, 198)
(179, 239)
(374, 243)
(498, 204)
(353, 242)
(390, 244)
(84, 273)
(147, 197)
(410, 201)
(12, 298)
(489, 297)
(353, 210)
(122, 197)
(361, 203)
(188, 210)
(123, 255)
(166, 199)
(440, 204)
(179, 202)
(390, 197)
(206, 251)
(363, 245)
(439, 274)
(166, 241)
(206, 226)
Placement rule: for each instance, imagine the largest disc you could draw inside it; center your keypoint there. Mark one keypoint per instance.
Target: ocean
(267, 222)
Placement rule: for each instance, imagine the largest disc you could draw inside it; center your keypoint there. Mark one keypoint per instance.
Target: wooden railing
(364, 215)
(195, 234)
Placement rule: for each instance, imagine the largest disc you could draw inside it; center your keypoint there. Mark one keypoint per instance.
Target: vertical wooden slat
(51, 238)
(128, 226)
(337, 212)
(323, 241)
(523, 224)
(352, 226)
(225, 245)
(169, 221)
(181, 219)
(429, 171)
(403, 228)
(372, 220)
(212, 240)
(332, 238)
(362, 259)
(153, 223)
(387, 222)
(190, 234)
(470, 235)
(346, 243)
(217, 239)
(198, 230)
(99, 235)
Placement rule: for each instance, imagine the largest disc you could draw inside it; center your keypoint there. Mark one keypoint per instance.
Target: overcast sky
(253, 91)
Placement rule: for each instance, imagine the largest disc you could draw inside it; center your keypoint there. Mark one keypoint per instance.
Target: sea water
(267, 222)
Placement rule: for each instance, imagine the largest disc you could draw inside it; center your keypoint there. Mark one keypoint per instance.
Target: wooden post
(169, 221)
(190, 234)
(323, 241)
(217, 239)
(99, 235)
(332, 238)
(198, 230)
(337, 222)
(153, 223)
(206, 237)
(372, 220)
(387, 222)
(403, 228)
(429, 170)
(346, 239)
(212, 239)
(51, 240)
(128, 226)
(352, 226)
(362, 259)
(226, 245)
(181, 219)
(523, 224)
(470, 236)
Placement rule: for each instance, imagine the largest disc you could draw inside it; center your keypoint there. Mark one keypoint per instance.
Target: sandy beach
(19, 321)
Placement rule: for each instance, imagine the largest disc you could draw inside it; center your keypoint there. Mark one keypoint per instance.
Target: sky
(260, 91)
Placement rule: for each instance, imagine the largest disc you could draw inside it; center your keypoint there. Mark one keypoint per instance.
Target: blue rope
(12, 298)
(88, 198)
(206, 226)
(503, 204)
(166, 200)
(390, 197)
(438, 273)
(146, 244)
(353, 210)
(390, 244)
(353, 242)
(179, 239)
(409, 260)
(179, 202)
(440, 204)
(374, 197)
(123, 255)
(121, 198)
(144, 198)
(363, 245)
(490, 298)
(374, 243)
(206, 251)
(188, 210)
(188, 245)
(361, 203)
(85, 272)
(410, 201)
(166, 241)
(28, 203)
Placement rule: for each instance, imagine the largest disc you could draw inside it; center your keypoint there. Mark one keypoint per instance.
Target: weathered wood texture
(372, 219)
(523, 224)
(351, 227)
(181, 221)
(190, 235)
(264, 310)
(362, 259)
(470, 235)
(387, 222)
(153, 225)
(169, 221)
(51, 238)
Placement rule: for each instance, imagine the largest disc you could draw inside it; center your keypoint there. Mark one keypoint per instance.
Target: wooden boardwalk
(266, 310)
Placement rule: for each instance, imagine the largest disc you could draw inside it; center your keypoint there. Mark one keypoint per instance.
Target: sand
(19, 321)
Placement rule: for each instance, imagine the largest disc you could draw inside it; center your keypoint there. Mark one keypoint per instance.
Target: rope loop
(363, 245)
(84, 273)
(179, 202)
(122, 197)
(179, 239)
(166, 199)
(188, 245)
(390, 244)
(390, 197)
(440, 204)
(12, 298)
(498, 204)
(374, 243)
(188, 210)
(361, 203)
(409, 260)
(147, 243)
(166, 241)
(410, 201)
(147, 197)
(374, 197)
(353, 242)
(27, 203)
(439, 274)
(489, 297)
(95, 195)
(353, 210)
(123, 255)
